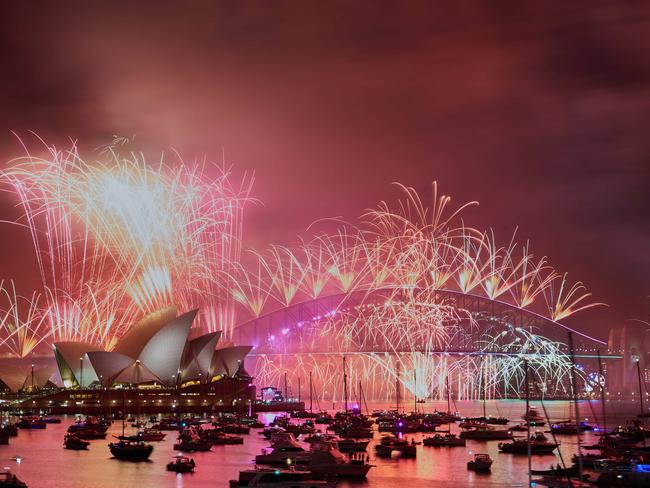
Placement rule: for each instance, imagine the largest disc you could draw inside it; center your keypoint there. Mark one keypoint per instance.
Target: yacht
(484, 432)
(326, 459)
(189, 440)
(533, 417)
(73, 442)
(566, 427)
(388, 444)
(343, 445)
(351, 445)
(225, 439)
(31, 423)
(539, 444)
(283, 447)
(632, 475)
(279, 478)
(146, 435)
(181, 464)
(480, 462)
(190, 445)
(130, 451)
(446, 440)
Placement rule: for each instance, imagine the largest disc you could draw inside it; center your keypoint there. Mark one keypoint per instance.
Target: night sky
(540, 112)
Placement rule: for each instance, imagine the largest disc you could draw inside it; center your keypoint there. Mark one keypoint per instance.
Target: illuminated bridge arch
(299, 322)
(291, 341)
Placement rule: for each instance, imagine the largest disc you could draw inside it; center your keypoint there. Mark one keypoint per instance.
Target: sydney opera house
(161, 362)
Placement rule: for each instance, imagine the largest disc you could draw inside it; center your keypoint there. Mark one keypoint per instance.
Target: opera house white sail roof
(156, 349)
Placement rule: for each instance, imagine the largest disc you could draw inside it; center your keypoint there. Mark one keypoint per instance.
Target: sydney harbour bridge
(487, 346)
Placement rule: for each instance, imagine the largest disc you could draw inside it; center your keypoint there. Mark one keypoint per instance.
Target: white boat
(279, 478)
(326, 459)
(284, 447)
(484, 432)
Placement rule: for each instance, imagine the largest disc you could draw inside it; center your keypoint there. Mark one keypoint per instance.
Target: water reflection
(38, 457)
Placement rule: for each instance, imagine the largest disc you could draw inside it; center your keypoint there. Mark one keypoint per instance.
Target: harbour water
(44, 463)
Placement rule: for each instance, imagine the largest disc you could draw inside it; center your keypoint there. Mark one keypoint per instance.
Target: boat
(74, 443)
(389, 444)
(496, 420)
(170, 424)
(89, 423)
(480, 463)
(270, 431)
(343, 445)
(88, 434)
(631, 475)
(279, 478)
(566, 427)
(225, 440)
(130, 451)
(10, 480)
(190, 439)
(151, 435)
(484, 432)
(563, 482)
(123, 450)
(9, 429)
(326, 459)
(351, 445)
(236, 429)
(538, 444)
(587, 460)
(324, 418)
(284, 448)
(446, 440)
(89, 429)
(52, 420)
(146, 435)
(303, 414)
(558, 471)
(533, 418)
(190, 445)
(181, 464)
(31, 423)
(319, 437)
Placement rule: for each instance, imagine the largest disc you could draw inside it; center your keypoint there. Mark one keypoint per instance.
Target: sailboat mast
(123, 410)
(638, 373)
(483, 385)
(345, 386)
(448, 393)
(311, 394)
(574, 388)
(415, 391)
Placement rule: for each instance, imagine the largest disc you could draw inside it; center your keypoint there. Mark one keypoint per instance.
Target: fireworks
(120, 238)
(403, 277)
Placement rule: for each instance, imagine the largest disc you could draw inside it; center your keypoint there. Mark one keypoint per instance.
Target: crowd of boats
(316, 449)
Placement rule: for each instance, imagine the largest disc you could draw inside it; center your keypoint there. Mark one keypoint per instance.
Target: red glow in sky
(537, 111)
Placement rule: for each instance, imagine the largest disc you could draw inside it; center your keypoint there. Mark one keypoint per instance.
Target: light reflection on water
(46, 464)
